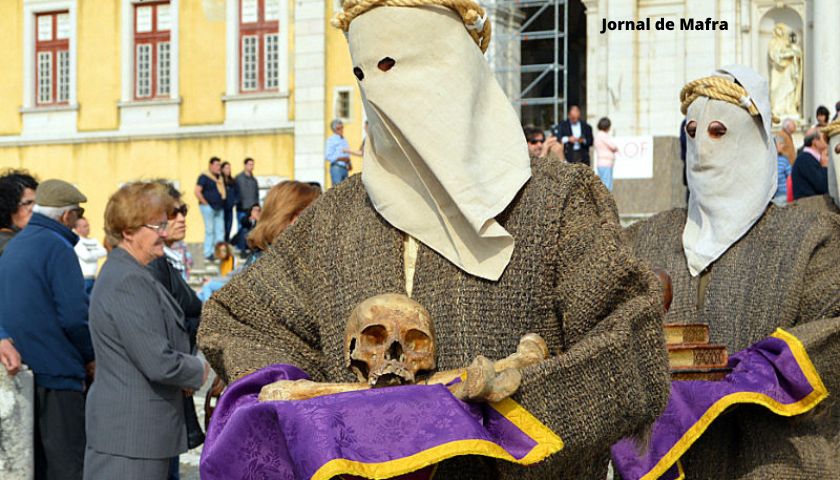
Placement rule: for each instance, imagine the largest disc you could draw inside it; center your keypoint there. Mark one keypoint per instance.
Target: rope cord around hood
(473, 15)
(717, 88)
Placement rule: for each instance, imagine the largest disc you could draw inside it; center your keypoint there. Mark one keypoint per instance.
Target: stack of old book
(691, 355)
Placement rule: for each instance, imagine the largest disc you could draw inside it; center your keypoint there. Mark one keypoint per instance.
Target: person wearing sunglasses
(44, 309)
(539, 146)
(135, 409)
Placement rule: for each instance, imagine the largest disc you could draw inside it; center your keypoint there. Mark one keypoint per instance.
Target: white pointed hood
(446, 152)
(731, 178)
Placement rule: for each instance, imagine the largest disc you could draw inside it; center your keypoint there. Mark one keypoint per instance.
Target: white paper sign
(634, 158)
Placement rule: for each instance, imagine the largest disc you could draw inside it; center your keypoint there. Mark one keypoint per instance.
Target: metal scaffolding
(534, 72)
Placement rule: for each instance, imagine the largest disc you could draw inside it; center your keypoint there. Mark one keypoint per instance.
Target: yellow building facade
(103, 92)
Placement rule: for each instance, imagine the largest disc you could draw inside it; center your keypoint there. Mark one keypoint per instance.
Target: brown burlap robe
(817, 203)
(571, 279)
(785, 272)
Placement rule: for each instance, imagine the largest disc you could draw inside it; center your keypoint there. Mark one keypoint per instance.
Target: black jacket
(564, 129)
(809, 177)
(183, 294)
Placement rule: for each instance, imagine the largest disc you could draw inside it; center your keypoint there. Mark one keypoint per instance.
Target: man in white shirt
(89, 251)
(576, 136)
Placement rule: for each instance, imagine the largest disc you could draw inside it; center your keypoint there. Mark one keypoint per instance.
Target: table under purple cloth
(775, 373)
(381, 433)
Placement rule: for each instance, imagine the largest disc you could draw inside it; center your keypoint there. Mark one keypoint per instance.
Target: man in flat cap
(492, 244)
(44, 310)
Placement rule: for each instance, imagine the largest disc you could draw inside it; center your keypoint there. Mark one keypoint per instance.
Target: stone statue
(786, 70)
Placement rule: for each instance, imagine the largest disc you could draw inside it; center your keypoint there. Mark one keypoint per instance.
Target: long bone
(481, 382)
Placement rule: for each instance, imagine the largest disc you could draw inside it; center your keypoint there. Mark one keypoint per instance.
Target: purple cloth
(294, 439)
(767, 373)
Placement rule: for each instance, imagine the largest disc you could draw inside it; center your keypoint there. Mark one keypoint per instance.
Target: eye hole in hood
(386, 64)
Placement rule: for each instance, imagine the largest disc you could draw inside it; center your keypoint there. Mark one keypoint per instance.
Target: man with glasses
(538, 146)
(44, 310)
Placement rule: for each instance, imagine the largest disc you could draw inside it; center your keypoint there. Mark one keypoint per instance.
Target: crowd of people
(218, 193)
(115, 359)
(571, 140)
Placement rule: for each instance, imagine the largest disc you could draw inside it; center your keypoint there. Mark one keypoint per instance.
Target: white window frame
(255, 45)
(164, 71)
(30, 9)
(232, 52)
(127, 56)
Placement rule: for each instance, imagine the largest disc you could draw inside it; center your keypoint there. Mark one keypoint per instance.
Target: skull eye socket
(386, 64)
(359, 73)
(837, 149)
(691, 128)
(418, 341)
(374, 335)
(716, 129)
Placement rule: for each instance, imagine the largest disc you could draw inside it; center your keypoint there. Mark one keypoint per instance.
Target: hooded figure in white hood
(746, 267)
(450, 210)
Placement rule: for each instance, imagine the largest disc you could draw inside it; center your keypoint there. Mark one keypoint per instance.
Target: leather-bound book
(686, 333)
(697, 356)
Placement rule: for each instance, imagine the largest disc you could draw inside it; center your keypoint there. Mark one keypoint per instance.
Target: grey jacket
(135, 406)
(249, 191)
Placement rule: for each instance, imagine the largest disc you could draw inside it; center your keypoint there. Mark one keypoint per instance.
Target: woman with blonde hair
(283, 205)
(135, 409)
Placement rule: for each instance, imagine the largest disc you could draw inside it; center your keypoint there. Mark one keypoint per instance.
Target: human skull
(389, 339)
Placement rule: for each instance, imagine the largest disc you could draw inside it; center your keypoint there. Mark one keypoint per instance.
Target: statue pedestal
(16, 425)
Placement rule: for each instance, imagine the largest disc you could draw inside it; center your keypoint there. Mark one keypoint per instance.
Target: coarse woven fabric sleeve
(818, 325)
(264, 315)
(612, 380)
(145, 339)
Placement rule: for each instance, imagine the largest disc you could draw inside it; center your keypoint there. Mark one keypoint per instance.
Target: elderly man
(786, 132)
(745, 268)
(493, 245)
(43, 307)
(338, 153)
(810, 175)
